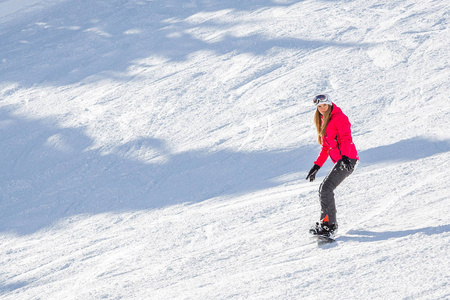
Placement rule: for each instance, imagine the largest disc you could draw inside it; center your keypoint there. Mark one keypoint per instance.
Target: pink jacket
(338, 139)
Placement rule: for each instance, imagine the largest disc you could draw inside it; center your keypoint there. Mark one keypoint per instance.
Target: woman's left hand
(346, 164)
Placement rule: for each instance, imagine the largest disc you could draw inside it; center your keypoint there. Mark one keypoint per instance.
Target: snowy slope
(158, 149)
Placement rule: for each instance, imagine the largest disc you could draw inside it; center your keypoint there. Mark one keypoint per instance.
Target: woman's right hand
(312, 173)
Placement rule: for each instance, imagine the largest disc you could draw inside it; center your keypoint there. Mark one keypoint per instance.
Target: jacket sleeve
(344, 134)
(323, 155)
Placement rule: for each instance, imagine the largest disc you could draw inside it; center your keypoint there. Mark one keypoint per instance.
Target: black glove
(312, 173)
(346, 164)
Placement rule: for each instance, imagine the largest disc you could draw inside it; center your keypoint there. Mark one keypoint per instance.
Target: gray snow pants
(326, 190)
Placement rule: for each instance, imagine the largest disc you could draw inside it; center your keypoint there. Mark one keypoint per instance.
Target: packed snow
(158, 149)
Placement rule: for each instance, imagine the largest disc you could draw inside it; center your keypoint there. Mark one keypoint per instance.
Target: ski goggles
(320, 99)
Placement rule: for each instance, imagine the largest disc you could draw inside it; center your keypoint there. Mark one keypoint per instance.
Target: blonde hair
(321, 125)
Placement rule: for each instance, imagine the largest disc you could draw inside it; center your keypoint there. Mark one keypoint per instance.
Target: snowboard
(323, 239)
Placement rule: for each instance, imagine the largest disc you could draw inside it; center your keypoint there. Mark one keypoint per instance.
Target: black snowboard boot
(324, 229)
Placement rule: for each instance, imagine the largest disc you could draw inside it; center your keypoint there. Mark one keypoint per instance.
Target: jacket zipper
(339, 148)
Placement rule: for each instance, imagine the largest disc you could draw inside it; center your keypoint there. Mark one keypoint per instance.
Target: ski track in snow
(158, 149)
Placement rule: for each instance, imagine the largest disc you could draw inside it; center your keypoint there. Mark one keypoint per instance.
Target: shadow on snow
(49, 173)
(86, 38)
(405, 150)
(371, 236)
(12, 287)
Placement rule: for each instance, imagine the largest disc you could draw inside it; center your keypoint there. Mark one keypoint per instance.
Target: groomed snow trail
(158, 149)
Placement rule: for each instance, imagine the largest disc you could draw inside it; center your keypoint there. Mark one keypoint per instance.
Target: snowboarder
(334, 135)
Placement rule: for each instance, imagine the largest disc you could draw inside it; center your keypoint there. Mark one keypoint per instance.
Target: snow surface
(158, 149)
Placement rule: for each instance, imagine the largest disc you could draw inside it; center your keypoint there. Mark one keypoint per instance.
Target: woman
(334, 134)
